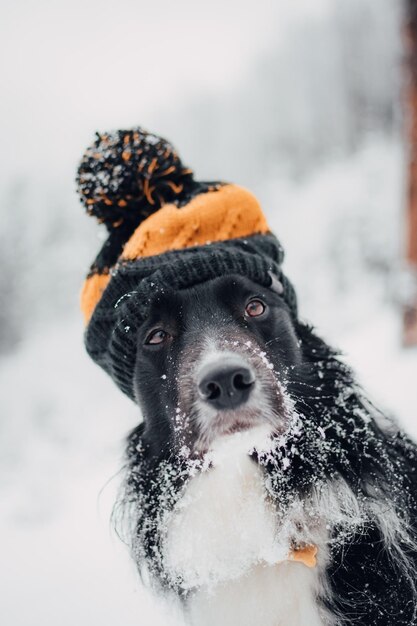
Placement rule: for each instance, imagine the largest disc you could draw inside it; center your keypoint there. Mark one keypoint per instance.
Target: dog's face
(214, 359)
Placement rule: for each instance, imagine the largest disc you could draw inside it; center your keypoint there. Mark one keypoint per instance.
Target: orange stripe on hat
(91, 293)
(227, 213)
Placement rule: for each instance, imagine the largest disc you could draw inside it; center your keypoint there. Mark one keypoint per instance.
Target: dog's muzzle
(226, 385)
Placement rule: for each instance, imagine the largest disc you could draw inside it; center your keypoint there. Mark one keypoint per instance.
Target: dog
(262, 486)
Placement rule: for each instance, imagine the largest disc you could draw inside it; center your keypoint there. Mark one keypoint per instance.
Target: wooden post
(410, 302)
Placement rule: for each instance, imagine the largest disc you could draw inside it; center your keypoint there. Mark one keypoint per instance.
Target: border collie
(262, 487)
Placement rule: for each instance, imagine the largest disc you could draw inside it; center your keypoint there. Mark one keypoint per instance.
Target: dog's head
(214, 359)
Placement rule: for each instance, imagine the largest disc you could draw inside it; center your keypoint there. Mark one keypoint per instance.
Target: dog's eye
(157, 336)
(255, 308)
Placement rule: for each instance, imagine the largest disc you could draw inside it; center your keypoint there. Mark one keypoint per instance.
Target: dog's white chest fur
(223, 542)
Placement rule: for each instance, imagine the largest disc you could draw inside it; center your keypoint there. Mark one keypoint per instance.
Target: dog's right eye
(156, 337)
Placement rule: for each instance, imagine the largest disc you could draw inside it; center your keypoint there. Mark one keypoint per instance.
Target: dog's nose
(226, 385)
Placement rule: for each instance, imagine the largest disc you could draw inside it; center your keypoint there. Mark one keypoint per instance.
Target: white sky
(73, 66)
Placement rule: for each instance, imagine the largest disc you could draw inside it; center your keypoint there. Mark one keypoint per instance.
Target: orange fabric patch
(91, 293)
(306, 555)
(227, 213)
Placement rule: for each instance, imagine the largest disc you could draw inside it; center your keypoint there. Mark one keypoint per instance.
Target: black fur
(342, 436)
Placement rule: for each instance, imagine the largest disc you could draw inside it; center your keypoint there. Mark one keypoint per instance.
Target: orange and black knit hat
(165, 231)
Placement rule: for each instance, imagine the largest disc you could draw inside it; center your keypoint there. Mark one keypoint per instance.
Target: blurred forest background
(317, 87)
(303, 103)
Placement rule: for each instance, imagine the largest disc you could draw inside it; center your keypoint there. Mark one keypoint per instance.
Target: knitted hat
(165, 230)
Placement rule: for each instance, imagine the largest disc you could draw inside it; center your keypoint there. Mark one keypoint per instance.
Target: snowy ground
(64, 422)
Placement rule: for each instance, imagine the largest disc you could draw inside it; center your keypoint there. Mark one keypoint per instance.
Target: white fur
(226, 544)
(224, 523)
(280, 595)
(223, 541)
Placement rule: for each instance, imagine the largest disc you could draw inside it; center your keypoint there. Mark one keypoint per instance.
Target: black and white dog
(256, 448)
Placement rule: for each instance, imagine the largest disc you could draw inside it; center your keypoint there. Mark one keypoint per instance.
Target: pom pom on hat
(130, 174)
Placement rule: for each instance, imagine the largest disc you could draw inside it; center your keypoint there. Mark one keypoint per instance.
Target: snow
(61, 460)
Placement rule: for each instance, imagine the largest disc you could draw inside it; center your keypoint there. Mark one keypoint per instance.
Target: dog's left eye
(156, 337)
(255, 308)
